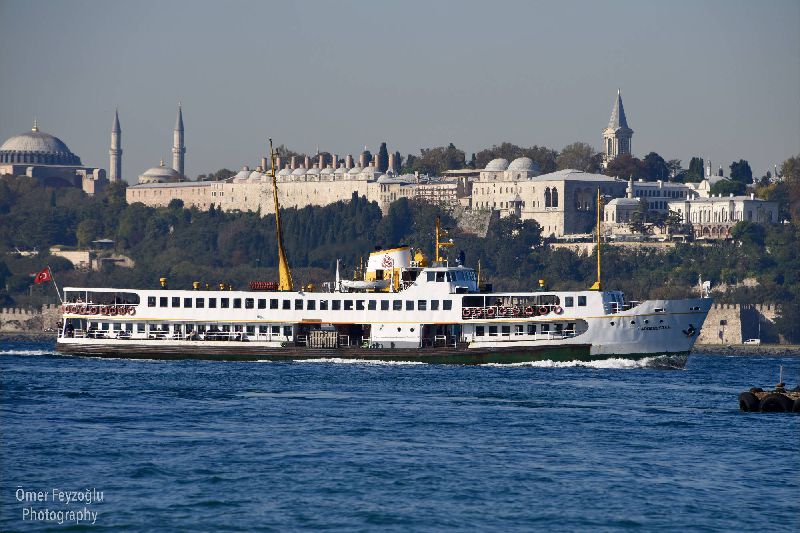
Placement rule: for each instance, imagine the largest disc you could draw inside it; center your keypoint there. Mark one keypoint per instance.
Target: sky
(716, 79)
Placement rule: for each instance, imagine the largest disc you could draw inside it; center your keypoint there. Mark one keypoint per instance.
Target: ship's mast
(439, 243)
(284, 274)
(597, 284)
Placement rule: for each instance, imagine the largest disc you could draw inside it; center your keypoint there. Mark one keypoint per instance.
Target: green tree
(696, 171)
(790, 172)
(748, 233)
(383, 158)
(176, 204)
(86, 232)
(434, 161)
(727, 187)
(655, 168)
(740, 171)
(580, 156)
(638, 223)
(625, 166)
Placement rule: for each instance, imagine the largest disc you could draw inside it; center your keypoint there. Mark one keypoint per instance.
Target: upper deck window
(581, 300)
(348, 305)
(336, 305)
(434, 305)
(409, 305)
(187, 302)
(447, 305)
(237, 303)
(311, 305)
(440, 276)
(359, 305)
(569, 301)
(384, 305)
(422, 305)
(212, 303)
(397, 305)
(151, 301)
(162, 302)
(224, 303)
(323, 305)
(287, 304)
(176, 301)
(249, 303)
(372, 305)
(273, 303)
(262, 303)
(199, 303)
(298, 304)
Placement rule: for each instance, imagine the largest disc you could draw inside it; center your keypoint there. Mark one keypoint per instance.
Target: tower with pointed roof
(115, 152)
(617, 136)
(178, 148)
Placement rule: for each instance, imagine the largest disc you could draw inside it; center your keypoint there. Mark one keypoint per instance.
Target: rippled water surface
(194, 445)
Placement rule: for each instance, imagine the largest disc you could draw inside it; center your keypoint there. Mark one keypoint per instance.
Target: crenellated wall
(14, 319)
(734, 323)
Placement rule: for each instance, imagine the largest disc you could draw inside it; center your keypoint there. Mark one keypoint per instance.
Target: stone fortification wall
(734, 323)
(15, 319)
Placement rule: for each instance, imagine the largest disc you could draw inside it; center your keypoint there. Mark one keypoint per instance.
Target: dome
(285, 172)
(340, 170)
(313, 170)
(299, 172)
(497, 164)
(355, 170)
(523, 164)
(327, 170)
(37, 147)
(255, 176)
(159, 174)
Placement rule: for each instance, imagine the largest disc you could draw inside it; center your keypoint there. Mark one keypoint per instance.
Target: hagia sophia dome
(37, 148)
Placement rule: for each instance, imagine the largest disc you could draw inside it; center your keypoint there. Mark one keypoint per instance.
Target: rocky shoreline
(773, 350)
(27, 336)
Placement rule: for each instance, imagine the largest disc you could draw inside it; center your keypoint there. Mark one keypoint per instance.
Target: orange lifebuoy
(529, 311)
(557, 309)
(82, 310)
(94, 310)
(543, 310)
(517, 311)
(465, 313)
(112, 310)
(131, 310)
(490, 312)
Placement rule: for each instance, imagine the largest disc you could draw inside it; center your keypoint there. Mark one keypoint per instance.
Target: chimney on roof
(321, 163)
(293, 163)
(348, 162)
(391, 162)
(307, 162)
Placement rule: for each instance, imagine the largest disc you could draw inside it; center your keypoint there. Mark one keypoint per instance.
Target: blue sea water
(192, 445)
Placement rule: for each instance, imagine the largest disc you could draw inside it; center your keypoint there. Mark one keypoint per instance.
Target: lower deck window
(479, 331)
(493, 331)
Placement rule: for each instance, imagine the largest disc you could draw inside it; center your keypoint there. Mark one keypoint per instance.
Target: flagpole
(54, 285)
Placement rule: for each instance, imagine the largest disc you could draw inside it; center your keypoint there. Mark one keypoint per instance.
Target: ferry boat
(404, 308)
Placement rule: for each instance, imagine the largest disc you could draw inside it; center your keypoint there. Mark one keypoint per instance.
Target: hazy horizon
(716, 79)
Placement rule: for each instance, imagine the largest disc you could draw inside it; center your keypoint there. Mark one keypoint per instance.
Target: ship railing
(616, 307)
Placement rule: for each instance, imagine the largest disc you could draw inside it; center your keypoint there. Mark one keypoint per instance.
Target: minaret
(115, 153)
(178, 149)
(617, 136)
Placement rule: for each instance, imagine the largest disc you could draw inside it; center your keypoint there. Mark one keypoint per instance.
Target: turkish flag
(43, 276)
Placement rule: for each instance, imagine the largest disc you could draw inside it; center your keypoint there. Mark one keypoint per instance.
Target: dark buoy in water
(757, 400)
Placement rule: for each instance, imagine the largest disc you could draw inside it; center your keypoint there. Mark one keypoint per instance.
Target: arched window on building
(608, 149)
(547, 198)
(555, 197)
